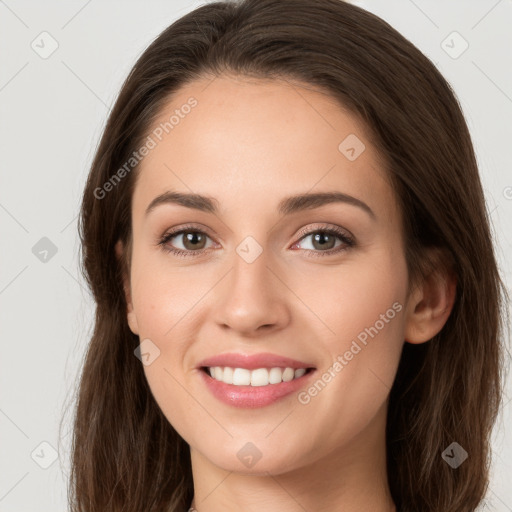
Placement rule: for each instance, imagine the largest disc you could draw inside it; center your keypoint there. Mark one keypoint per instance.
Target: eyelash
(347, 240)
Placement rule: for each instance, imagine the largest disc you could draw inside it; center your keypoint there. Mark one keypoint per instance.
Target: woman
(298, 302)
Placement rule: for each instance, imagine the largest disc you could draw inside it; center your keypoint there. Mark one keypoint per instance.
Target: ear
(430, 305)
(130, 313)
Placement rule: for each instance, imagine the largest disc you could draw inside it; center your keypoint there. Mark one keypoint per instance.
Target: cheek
(162, 295)
(356, 297)
(163, 301)
(365, 312)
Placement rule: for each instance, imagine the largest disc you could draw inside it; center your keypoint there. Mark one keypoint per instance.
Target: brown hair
(125, 454)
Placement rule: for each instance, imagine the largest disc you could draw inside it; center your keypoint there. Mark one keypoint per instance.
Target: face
(322, 282)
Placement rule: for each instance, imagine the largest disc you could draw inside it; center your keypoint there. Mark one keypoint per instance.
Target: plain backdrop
(53, 107)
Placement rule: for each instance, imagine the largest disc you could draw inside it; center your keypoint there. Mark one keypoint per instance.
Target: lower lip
(250, 397)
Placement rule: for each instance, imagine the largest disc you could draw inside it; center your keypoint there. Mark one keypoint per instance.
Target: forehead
(240, 138)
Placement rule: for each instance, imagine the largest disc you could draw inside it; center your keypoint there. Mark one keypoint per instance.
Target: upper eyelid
(326, 227)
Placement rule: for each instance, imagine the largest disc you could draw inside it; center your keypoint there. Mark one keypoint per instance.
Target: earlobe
(130, 313)
(430, 306)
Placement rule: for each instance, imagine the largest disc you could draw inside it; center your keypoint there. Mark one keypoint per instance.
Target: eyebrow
(286, 206)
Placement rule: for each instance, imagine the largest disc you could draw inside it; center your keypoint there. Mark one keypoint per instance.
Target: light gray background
(52, 112)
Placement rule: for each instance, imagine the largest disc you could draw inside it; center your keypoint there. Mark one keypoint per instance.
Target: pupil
(323, 239)
(192, 237)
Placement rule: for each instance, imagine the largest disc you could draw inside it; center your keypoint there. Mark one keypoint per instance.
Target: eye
(323, 241)
(191, 239)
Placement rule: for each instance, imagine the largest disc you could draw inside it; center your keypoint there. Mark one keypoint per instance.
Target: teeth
(288, 374)
(259, 377)
(241, 377)
(275, 376)
(227, 375)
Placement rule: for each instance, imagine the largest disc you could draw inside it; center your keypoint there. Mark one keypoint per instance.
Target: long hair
(125, 454)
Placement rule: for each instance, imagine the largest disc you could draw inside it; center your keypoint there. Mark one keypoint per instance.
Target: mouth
(259, 377)
(249, 389)
(253, 380)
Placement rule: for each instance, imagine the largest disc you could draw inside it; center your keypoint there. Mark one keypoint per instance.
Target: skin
(249, 143)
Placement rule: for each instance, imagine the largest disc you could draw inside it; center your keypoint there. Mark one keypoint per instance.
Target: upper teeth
(259, 377)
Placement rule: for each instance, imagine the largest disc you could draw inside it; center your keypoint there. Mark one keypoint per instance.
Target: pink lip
(253, 361)
(250, 397)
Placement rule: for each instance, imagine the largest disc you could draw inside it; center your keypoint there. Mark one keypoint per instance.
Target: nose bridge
(251, 276)
(251, 269)
(252, 295)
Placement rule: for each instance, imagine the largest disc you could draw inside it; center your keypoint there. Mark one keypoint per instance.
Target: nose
(253, 298)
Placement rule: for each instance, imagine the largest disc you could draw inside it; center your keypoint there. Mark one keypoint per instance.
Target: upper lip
(253, 361)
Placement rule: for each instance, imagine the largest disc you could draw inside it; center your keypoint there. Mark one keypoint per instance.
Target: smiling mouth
(256, 378)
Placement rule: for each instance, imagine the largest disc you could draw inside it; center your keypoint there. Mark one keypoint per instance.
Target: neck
(349, 479)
